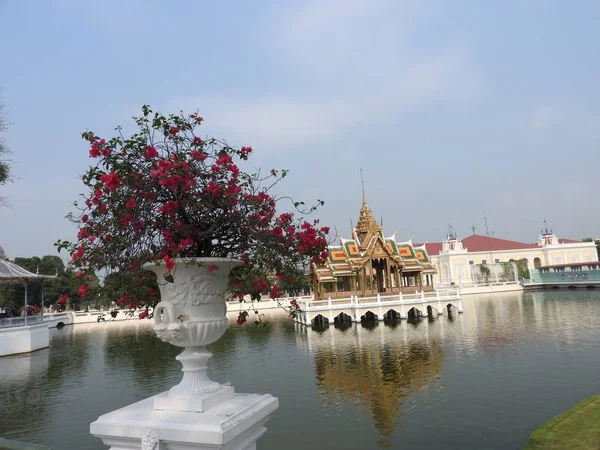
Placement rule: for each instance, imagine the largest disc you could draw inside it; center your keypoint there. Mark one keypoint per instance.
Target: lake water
(484, 379)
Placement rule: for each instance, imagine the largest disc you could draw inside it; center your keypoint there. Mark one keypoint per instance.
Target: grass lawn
(575, 429)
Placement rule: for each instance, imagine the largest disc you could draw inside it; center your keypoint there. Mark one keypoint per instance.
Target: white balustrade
(357, 306)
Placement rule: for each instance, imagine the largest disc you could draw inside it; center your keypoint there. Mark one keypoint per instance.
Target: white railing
(11, 322)
(396, 299)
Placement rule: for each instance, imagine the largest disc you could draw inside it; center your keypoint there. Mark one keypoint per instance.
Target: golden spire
(362, 182)
(366, 222)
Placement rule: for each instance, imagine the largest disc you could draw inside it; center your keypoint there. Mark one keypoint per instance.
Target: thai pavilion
(370, 263)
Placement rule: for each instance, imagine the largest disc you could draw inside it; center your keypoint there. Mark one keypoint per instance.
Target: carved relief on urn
(192, 308)
(192, 314)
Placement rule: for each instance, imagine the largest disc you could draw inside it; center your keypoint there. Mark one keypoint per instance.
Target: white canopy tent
(10, 273)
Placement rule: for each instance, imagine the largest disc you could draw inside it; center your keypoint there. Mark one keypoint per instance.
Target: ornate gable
(379, 248)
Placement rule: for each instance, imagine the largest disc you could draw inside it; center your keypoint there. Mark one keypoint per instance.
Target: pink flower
(83, 290)
(169, 263)
(64, 298)
(127, 220)
(200, 156)
(131, 203)
(174, 130)
(111, 180)
(85, 218)
(212, 268)
(171, 183)
(214, 188)
(241, 320)
(95, 151)
(274, 292)
(123, 300)
(150, 152)
(185, 243)
(169, 207)
(225, 159)
(78, 253)
(164, 165)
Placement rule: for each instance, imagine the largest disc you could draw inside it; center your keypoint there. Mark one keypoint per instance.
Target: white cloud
(352, 65)
(274, 124)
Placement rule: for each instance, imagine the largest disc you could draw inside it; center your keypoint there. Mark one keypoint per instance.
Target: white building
(456, 259)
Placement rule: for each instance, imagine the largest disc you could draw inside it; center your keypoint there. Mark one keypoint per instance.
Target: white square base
(200, 403)
(233, 425)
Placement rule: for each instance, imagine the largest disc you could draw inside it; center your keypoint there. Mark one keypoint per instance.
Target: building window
(471, 263)
(496, 260)
(484, 261)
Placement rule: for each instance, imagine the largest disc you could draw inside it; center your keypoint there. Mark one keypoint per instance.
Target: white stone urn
(192, 314)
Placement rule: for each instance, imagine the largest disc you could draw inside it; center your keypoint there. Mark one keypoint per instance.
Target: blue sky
(446, 105)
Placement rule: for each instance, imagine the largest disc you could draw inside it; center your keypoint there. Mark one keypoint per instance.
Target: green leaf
(169, 278)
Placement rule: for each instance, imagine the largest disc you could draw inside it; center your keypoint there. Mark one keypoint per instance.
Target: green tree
(65, 282)
(485, 272)
(522, 268)
(130, 288)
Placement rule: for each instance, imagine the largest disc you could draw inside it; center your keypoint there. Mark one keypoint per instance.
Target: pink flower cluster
(167, 193)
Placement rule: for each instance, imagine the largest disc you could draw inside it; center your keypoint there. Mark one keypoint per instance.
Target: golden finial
(362, 182)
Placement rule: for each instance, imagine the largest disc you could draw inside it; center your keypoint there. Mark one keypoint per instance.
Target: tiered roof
(369, 242)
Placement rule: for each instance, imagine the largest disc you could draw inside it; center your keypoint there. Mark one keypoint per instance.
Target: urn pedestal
(198, 413)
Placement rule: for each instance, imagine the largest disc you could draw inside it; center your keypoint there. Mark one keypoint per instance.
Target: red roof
(433, 248)
(479, 243)
(567, 241)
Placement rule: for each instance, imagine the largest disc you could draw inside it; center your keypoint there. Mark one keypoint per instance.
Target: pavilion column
(25, 304)
(388, 275)
(363, 281)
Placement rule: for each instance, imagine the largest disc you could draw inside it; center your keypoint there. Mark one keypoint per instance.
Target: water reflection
(28, 381)
(378, 366)
(495, 373)
(136, 352)
(375, 366)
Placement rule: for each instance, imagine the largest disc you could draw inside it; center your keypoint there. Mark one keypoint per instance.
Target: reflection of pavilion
(379, 367)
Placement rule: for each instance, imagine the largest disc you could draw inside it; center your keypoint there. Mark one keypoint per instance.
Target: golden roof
(366, 227)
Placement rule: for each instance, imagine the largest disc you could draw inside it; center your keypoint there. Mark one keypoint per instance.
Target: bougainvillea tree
(166, 192)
